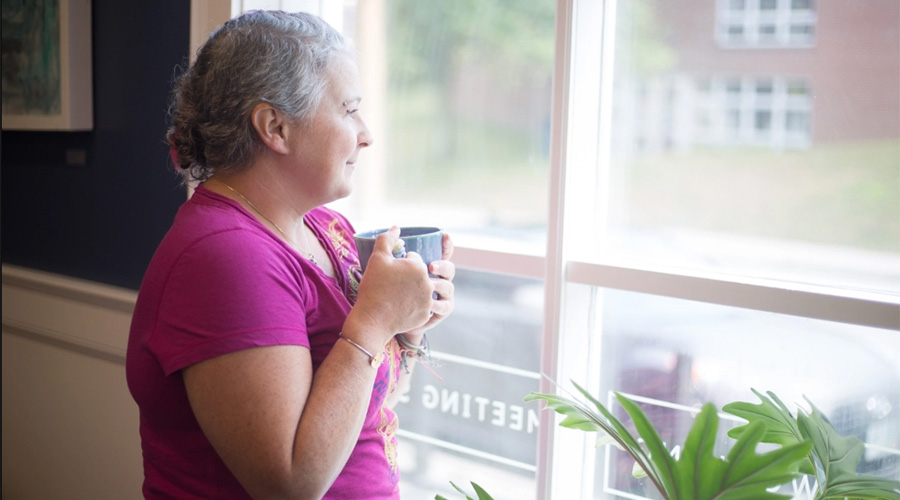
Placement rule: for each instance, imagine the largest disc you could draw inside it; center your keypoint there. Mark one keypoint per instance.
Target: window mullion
(565, 458)
(548, 481)
(492, 261)
(809, 301)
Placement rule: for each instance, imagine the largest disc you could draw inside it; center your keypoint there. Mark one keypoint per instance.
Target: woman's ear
(269, 124)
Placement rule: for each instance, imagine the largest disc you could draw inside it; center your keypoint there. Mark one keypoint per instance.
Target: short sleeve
(230, 291)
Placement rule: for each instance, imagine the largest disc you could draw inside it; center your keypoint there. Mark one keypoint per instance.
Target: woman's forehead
(343, 81)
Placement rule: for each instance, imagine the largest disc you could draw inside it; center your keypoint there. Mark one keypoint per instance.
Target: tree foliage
(429, 40)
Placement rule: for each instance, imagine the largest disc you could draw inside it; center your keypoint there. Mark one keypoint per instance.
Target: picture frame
(47, 66)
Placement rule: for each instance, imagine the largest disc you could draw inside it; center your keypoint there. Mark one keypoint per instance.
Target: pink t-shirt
(221, 282)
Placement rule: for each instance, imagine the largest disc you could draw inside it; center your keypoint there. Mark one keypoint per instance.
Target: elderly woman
(261, 366)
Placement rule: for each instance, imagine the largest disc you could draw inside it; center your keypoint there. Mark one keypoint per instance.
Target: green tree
(431, 44)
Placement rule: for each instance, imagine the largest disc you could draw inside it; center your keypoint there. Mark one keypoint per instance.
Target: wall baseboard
(84, 316)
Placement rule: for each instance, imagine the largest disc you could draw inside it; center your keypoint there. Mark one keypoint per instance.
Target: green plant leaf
(631, 445)
(457, 488)
(781, 427)
(604, 439)
(699, 475)
(662, 461)
(577, 415)
(603, 421)
(695, 456)
(748, 475)
(482, 495)
(832, 460)
(837, 459)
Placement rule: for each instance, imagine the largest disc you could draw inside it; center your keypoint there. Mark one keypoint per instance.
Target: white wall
(70, 427)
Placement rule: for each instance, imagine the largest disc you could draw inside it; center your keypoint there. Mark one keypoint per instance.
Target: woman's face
(327, 148)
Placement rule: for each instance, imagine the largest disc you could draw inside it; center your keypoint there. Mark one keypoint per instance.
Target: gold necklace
(309, 255)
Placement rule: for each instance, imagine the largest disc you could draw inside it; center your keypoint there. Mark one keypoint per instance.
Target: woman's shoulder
(211, 228)
(207, 212)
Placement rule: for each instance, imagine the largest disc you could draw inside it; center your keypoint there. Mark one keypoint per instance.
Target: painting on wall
(46, 65)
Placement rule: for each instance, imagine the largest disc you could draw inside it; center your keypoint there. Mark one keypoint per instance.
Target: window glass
(467, 421)
(789, 172)
(735, 32)
(801, 32)
(468, 116)
(764, 87)
(674, 355)
(767, 31)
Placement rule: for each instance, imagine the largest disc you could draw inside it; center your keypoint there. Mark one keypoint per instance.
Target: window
(639, 210)
(749, 111)
(677, 353)
(468, 418)
(766, 23)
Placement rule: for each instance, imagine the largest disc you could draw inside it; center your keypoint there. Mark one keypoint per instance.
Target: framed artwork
(46, 53)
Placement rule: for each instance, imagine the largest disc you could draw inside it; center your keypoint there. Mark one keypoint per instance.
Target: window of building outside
(765, 23)
(643, 201)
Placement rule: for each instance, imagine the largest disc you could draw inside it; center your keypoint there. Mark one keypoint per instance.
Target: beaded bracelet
(420, 352)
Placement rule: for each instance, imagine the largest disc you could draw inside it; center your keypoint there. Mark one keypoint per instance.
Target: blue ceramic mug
(425, 241)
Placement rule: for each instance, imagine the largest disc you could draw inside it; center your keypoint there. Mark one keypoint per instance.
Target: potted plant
(808, 444)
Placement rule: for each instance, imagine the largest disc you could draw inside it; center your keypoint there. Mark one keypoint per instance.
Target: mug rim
(418, 231)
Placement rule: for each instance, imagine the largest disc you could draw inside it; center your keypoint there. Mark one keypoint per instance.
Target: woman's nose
(365, 137)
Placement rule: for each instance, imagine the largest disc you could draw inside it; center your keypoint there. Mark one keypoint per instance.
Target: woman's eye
(351, 112)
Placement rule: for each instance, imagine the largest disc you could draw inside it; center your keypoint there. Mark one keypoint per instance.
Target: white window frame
(580, 136)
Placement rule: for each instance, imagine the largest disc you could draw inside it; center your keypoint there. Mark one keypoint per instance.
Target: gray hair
(260, 56)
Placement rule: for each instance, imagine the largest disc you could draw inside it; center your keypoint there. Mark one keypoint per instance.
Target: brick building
(773, 73)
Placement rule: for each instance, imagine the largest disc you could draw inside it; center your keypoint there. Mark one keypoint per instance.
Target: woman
(261, 367)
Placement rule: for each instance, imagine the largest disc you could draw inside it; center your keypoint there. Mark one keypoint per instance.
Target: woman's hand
(394, 296)
(444, 272)
(441, 307)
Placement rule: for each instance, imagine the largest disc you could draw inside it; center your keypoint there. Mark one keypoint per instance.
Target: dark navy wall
(102, 220)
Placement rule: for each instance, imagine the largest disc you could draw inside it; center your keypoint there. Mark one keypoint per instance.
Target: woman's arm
(249, 405)
(283, 432)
